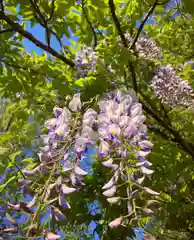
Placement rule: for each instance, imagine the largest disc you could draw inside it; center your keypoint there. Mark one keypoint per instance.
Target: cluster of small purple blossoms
(145, 47)
(62, 129)
(119, 134)
(122, 136)
(171, 89)
(85, 62)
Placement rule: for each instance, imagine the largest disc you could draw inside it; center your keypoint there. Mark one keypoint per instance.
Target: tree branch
(17, 27)
(149, 109)
(52, 11)
(123, 39)
(151, 10)
(117, 23)
(21, 67)
(89, 23)
(37, 13)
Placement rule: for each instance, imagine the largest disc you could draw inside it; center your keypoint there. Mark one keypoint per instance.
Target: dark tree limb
(18, 28)
(151, 10)
(124, 41)
(117, 23)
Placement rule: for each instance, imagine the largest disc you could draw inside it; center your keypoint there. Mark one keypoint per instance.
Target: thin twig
(18, 28)
(117, 23)
(89, 23)
(21, 67)
(9, 123)
(6, 31)
(52, 10)
(151, 10)
(37, 13)
(18, 168)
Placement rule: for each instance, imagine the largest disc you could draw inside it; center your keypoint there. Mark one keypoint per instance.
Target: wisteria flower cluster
(118, 133)
(171, 89)
(85, 61)
(123, 146)
(65, 144)
(145, 47)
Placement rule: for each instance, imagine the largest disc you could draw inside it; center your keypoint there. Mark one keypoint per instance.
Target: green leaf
(3, 186)
(3, 150)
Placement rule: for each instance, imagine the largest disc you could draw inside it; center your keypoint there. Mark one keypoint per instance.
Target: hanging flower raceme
(85, 61)
(123, 146)
(171, 89)
(145, 47)
(68, 137)
(119, 134)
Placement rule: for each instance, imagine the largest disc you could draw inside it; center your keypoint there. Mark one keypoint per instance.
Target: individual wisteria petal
(103, 133)
(116, 223)
(52, 236)
(129, 207)
(80, 171)
(15, 207)
(32, 172)
(32, 202)
(64, 117)
(24, 182)
(57, 111)
(110, 183)
(103, 149)
(89, 117)
(150, 191)
(136, 109)
(76, 180)
(88, 132)
(75, 104)
(43, 157)
(80, 144)
(140, 180)
(62, 130)
(151, 202)
(109, 164)
(57, 214)
(124, 121)
(143, 163)
(146, 171)
(67, 190)
(110, 192)
(51, 123)
(145, 145)
(62, 202)
(114, 129)
(148, 211)
(114, 200)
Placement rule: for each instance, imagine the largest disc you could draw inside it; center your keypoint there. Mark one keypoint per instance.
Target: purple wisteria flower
(171, 89)
(145, 47)
(123, 139)
(85, 61)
